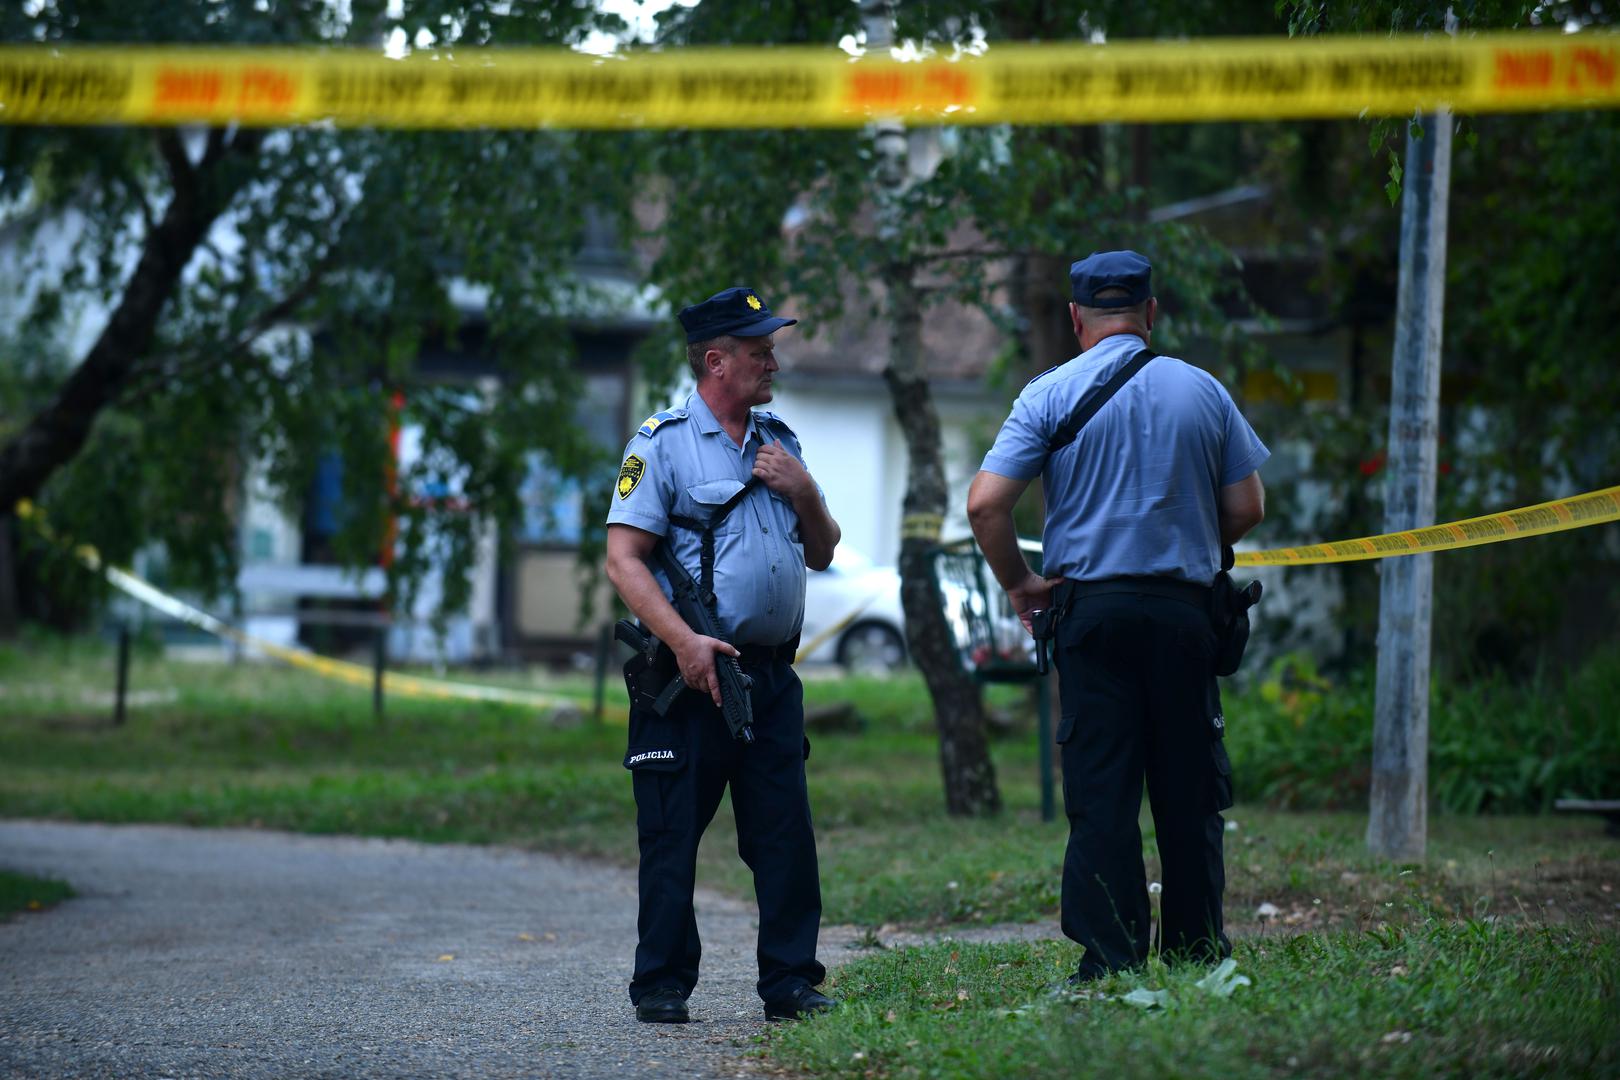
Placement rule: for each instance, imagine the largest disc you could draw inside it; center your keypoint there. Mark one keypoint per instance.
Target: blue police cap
(1111, 270)
(737, 311)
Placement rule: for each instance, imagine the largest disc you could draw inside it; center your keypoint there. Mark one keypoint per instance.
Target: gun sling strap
(706, 536)
(1096, 400)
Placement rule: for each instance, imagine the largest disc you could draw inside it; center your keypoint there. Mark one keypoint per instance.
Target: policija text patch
(630, 474)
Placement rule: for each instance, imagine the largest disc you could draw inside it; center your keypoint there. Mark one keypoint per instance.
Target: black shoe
(801, 1003)
(662, 1006)
(1085, 976)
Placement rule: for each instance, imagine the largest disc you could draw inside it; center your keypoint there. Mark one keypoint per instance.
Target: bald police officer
(715, 465)
(1138, 506)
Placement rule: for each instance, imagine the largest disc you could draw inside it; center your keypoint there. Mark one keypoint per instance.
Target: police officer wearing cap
(1138, 506)
(682, 470)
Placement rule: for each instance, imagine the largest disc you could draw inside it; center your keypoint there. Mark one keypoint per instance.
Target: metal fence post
(379, 661)
(604, 645)
(123, 675)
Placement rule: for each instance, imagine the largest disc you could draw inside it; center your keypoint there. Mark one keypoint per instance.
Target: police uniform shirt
(682, 463)
(1136, 493)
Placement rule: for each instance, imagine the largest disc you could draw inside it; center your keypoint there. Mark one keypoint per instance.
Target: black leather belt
(1171, 588)
(763, 655)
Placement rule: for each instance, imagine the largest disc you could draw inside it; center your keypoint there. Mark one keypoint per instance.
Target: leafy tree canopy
(354, 238)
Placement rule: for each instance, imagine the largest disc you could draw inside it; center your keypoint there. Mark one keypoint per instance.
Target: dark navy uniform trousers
(681, 764)
(1139, 698)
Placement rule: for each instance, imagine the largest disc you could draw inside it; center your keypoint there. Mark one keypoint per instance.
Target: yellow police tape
(1057, 83)
(1575, 512)
(342, 670)
(1593, 508)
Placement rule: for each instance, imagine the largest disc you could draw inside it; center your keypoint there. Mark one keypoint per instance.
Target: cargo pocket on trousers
(1075, 634)
(651, 771)
(807, 748)
(1221, 786)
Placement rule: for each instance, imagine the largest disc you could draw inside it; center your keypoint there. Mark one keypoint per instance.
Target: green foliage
(1466, 998)
(999, 194)
(1527, 392)
(299, 322)
(1300, 739)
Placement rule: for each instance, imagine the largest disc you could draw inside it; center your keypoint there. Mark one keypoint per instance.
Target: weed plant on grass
(24, 892)
(1439, 997)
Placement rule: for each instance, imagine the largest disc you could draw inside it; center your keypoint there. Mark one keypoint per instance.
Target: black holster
(651, 674)
(1043, 624)
(1229, 615)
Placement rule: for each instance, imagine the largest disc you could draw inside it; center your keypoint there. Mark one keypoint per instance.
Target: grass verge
(1471, 998)
(266, 747)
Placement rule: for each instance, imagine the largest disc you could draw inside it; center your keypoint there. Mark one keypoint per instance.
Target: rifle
(736, 705)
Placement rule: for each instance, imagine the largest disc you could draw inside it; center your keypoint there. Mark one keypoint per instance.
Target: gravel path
(232, 953)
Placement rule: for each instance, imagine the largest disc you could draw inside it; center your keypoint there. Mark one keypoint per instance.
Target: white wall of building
(856, 451)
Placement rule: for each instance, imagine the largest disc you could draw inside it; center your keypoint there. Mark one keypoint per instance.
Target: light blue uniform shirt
(682, 463)
(1136, 493)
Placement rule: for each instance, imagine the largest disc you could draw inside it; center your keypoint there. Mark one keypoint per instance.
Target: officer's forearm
(990, 505)
(817, 529)
(999, 541)
(641, 594)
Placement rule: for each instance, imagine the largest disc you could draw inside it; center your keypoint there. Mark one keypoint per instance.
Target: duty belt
(1187, 592)
(765, 655)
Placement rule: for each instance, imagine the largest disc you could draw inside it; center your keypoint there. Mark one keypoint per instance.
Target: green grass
(22, 892)
(1496, 957)
(267, 747)
(1466, 998)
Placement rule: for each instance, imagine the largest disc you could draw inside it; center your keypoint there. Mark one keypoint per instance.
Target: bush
(1298, 739)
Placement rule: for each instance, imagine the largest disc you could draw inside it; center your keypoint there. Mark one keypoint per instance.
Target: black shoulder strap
(706, 540)
(1095, 400)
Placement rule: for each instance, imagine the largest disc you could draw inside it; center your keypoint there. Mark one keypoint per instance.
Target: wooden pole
(1397, 825)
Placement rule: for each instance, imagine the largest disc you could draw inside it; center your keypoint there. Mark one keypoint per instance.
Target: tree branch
(58, 431)
(146, 380)
(966, 253)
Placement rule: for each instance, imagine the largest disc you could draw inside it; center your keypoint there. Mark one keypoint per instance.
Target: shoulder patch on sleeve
(630, 474)
(658, 420)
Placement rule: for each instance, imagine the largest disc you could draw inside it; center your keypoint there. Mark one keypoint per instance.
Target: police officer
(681, 471)
(1138, 506)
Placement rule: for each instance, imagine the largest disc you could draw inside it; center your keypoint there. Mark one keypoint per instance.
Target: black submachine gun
(651, 675)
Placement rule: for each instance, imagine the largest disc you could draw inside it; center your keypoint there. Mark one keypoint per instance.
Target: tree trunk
(57, 432)
(964, 750)
(1397, 825)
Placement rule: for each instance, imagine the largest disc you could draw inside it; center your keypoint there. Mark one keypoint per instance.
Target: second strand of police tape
(1559, 515)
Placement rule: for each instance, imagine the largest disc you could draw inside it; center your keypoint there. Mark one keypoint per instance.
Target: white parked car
(852, 615)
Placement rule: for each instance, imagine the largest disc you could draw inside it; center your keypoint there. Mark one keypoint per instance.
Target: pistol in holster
(1043, 624)
(1229, 614)
(651, 675)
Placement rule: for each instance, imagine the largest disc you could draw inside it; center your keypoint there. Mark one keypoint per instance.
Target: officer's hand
(695, 657)
(1032, 594)
(782, 472)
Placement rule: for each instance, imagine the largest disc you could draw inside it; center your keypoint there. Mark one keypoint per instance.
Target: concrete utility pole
(1397, 825)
